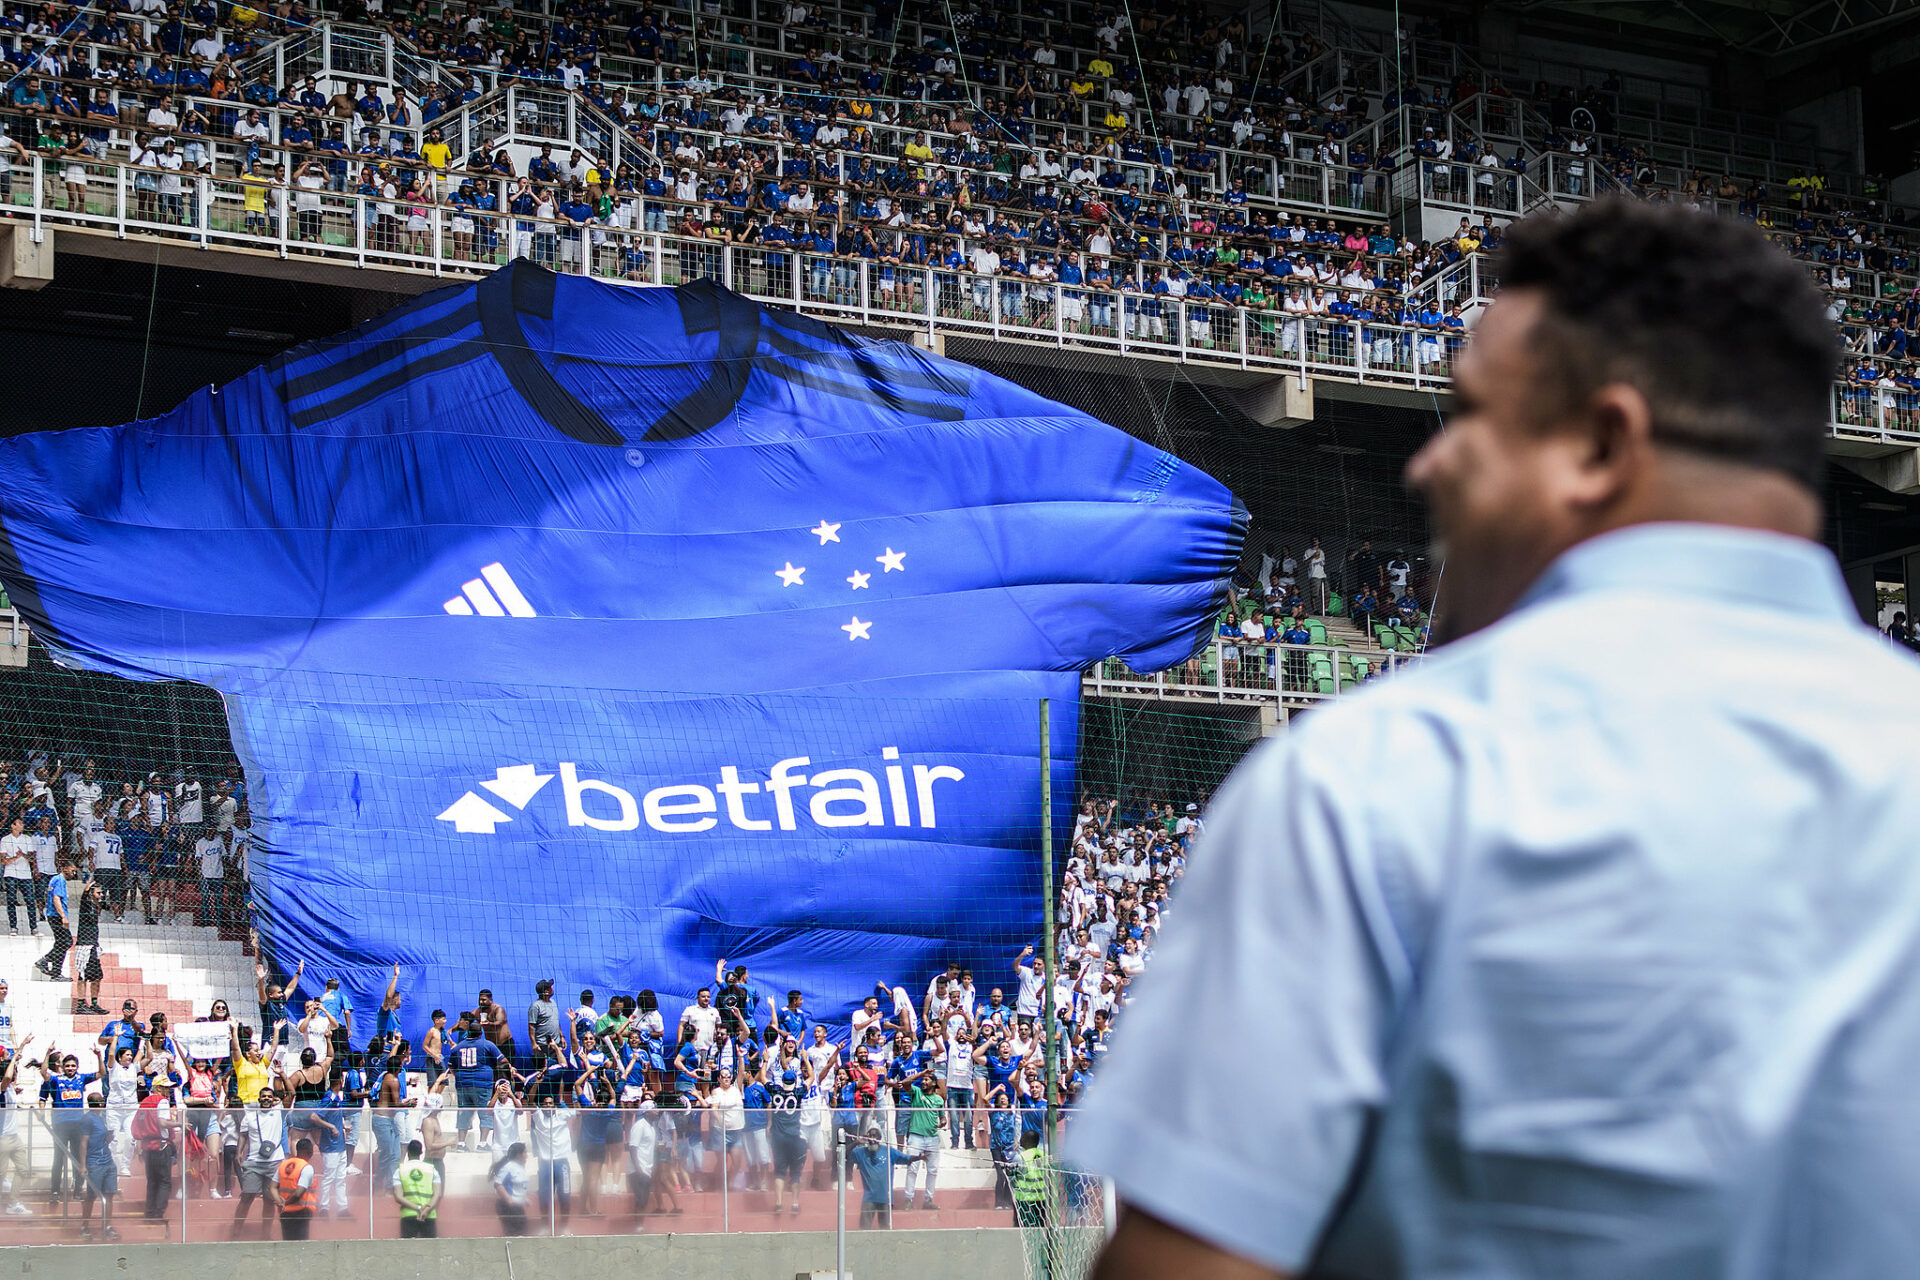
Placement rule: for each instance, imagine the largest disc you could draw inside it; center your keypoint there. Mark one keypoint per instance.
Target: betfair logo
(897, 795)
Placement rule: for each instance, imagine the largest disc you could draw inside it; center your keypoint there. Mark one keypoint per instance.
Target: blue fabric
(642, 472)
(1615, 978)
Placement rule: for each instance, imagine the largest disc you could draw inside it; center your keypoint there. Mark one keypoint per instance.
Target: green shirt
(927, 1110)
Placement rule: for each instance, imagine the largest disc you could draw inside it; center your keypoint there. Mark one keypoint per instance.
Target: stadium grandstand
(1253, 238)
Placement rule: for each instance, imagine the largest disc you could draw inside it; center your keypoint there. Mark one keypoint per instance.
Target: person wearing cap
(876, 1161)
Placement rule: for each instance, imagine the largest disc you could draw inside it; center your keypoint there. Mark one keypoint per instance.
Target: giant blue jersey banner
(583, 632)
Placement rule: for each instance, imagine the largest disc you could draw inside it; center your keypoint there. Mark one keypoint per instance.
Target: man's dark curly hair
(1722, 332)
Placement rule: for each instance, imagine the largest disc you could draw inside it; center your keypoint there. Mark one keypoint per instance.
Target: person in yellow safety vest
(1030, 1203)
(293, 1191)
(417, 1190)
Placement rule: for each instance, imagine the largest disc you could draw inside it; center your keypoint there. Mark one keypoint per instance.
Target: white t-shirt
(821, 1056)
(46, 849)
(186, 796)
(264, 1131)
(85, 797)
(726, 1104)
(1397, 571)
(17, 852)
(211, 854)
(1032, 982)
(6, 1024)
(123, 1086)
(506, 1127)
(641, 1141)
(959, 1064)
(552, 1136)
(705, 1022)
(106, 849)
(317, 1032)
(1316, 563)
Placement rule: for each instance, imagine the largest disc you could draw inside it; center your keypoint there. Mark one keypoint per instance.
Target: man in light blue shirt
(1591, 947)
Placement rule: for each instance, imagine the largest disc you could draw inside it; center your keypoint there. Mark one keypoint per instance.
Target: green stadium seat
(1387, 637)
(1325, 685)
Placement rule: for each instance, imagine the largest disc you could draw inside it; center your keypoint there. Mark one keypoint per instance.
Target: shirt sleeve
(1288, 943)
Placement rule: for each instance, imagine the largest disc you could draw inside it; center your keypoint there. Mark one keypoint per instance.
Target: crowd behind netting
(1077, 167)
(616, 1095)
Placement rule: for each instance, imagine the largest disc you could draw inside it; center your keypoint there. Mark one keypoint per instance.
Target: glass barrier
(672, 1162)
(77, 1174)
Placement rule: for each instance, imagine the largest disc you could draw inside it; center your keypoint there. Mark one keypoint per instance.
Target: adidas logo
(502, 601)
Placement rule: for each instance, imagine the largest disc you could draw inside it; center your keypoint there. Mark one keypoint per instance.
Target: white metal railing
(426, 233)
(1242, 671)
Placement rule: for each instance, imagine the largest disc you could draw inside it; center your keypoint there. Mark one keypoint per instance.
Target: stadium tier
(1306, 196)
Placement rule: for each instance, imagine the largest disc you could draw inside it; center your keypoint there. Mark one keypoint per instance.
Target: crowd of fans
(79, 846)
(1076, 167)
(608, 1094)
(1067, 145)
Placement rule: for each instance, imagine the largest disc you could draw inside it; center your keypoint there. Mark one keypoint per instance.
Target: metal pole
(840, 1218)
(1046, 913)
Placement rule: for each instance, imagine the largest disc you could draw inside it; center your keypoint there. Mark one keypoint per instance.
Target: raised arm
(293, 982)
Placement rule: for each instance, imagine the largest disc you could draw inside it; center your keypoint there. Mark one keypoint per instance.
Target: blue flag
(576, 631)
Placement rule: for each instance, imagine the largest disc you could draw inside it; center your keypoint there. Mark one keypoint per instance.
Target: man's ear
(1612, 439)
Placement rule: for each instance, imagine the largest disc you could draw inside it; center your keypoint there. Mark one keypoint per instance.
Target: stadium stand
(1166, 183)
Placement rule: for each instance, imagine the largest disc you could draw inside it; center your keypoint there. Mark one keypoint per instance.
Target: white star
(857, 630)
(790, 576)
(892, 560)
(826, 532)
(859, 579)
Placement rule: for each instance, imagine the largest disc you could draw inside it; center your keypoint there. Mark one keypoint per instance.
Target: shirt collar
(1747, 566)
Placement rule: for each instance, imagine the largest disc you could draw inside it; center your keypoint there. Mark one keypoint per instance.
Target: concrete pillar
(1284, 401)
(1861, 583)
(26, 255)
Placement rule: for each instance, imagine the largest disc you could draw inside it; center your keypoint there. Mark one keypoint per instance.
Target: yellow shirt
(250, 1077)
(919, 151)
(1116, 120)
(1100, 67)
(1079, 88)
(254, 189)
(437, 154)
